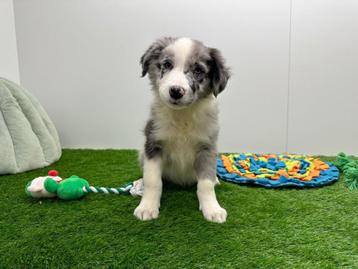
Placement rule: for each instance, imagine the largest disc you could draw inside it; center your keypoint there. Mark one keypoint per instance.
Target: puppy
(182, 130)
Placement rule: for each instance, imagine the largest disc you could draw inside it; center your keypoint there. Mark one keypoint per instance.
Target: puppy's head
(183, 71)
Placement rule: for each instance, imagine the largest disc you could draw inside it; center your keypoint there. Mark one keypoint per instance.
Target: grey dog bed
(28, 138)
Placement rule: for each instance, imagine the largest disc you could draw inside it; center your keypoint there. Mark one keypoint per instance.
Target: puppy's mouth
(176, 104)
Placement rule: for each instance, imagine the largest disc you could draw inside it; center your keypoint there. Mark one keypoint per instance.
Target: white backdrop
(294, 85)
(9, 67)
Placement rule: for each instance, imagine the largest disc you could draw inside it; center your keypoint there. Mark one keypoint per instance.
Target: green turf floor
(266, 228)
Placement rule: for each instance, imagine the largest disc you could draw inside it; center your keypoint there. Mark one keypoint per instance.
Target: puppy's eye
(167, 65)
(198, 70)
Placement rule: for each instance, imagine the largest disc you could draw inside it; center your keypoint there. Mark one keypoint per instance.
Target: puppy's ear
(153, 53)
(219, 74)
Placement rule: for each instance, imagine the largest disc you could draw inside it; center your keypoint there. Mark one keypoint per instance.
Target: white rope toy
(134, 188)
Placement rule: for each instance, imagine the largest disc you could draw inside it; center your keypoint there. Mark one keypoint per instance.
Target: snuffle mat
(273, 170)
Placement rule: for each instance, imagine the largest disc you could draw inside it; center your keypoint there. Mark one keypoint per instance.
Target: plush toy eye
(167, 65)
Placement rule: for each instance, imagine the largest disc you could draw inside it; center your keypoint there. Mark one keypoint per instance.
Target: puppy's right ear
(153, 52)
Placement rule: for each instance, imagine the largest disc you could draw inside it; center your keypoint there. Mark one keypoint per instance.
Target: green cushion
(28, 138)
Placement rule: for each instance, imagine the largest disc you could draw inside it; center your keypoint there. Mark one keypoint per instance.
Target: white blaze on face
(181, 49)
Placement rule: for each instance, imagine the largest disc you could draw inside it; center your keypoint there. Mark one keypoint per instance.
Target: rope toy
(349, 168)
(74, 187)
(272, 170)
(121, 190)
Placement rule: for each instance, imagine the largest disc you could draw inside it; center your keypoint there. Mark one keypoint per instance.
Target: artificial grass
(266, 228)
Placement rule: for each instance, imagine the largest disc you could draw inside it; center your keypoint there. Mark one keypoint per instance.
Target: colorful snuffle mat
(273, 170)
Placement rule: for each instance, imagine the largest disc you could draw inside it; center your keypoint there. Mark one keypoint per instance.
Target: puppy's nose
(176, 92)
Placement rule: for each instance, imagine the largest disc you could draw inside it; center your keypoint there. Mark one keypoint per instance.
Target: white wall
(8, 51)
(80, 58)
(323, 115)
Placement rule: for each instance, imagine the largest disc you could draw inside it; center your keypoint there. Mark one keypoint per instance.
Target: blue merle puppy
(182, 130)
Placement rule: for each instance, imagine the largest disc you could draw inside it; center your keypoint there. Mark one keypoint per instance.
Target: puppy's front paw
(214, 213)
(146, 211)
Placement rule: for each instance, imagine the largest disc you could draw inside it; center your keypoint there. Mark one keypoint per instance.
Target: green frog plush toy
(51, 186)
(74, 187)
(68, 189)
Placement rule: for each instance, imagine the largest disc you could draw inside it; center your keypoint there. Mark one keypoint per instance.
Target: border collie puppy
(182, 130)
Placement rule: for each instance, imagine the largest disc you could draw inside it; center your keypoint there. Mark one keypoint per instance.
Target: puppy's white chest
(180, 143)
(181, 135)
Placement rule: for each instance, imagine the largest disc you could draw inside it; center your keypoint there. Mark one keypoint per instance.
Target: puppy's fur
(181, 133)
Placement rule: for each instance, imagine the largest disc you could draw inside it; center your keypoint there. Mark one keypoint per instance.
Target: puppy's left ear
(219, 73)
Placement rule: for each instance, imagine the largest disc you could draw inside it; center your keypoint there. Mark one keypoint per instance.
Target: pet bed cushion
(271, 170)
(28, 138)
